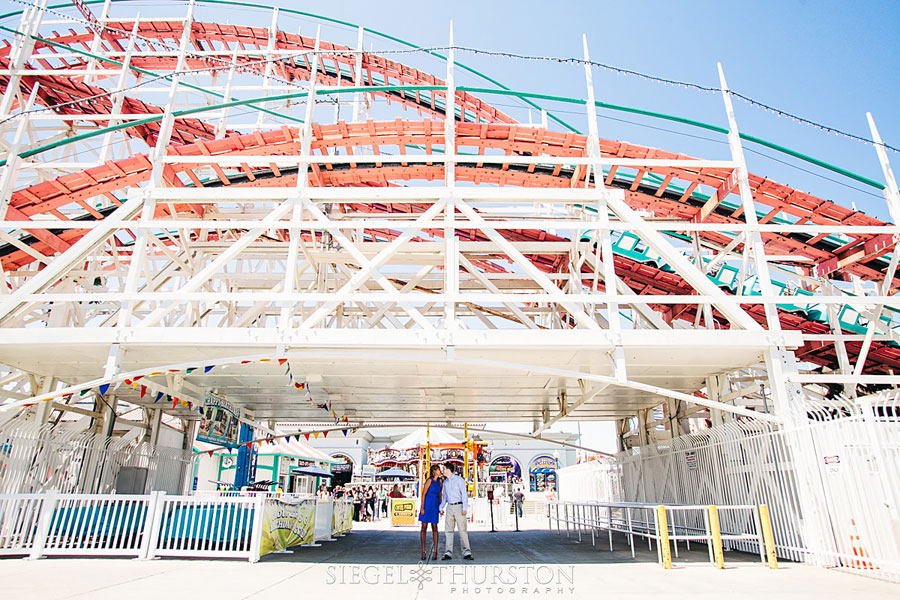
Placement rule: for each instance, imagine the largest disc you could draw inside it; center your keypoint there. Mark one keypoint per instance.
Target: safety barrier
(224, 527)
(140, 526)
(667, 525)
(324, 520)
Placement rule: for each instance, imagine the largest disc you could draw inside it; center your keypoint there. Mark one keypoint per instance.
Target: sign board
(690, 457)
(220, 423)
(287, 524)
(403, 512)
(342, 517)
(543, 462)
(832, 460)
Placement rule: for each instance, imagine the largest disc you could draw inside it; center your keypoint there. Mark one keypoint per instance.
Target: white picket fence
(140, 526)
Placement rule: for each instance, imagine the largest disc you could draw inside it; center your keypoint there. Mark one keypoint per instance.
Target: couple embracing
(448, 494)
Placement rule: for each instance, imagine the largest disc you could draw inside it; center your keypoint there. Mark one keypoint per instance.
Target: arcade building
(499, 460)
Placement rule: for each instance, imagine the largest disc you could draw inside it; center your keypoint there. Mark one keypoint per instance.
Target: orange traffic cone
(858, 550)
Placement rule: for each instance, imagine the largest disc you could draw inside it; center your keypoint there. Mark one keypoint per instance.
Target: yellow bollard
(716, 534)
(663, 530)
(768, 537)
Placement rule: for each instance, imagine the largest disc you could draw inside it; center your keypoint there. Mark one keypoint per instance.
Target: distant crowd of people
(368, 503)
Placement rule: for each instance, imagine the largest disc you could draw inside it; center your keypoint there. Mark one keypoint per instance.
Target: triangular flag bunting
(210, 452)
(103, 389)
(345, 432)
(316, 434)
(265, 359)
(281, 361)
(307, 436)
(143, 391)
(174, 402)
(191, 370)
(324, 434)
(244, 362)
(159, 396)
(127, 382)
(208, 369)
(156, 373)
(139, 377)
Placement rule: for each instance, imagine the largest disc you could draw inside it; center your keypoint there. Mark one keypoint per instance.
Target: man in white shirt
(455, 501)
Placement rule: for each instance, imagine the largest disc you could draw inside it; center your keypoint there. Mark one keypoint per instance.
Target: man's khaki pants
(453, 517)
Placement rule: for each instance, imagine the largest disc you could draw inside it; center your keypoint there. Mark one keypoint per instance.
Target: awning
(310, 471)
(543, 470)
(395, 472)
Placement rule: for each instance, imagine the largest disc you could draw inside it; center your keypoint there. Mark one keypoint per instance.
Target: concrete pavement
(379, 562)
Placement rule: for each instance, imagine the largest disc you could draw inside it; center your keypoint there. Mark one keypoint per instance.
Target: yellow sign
(287, 524)
(403, 511)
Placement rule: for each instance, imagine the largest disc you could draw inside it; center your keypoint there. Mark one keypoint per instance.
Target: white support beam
(369, 267)
(679, 263)
(77, 252)
(754, 239)
(536, 274)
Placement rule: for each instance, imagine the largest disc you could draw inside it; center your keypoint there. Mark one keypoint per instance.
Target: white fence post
(256, 530)
(44, 522)
(152, 524)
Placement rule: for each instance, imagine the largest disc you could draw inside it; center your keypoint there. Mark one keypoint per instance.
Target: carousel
(424, 447)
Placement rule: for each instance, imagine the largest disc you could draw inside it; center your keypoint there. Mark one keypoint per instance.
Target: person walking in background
(395, 492)
(357, 504)
(519, 500)
(383, 501)
(456, 503)
(370, 503)
(428, 511)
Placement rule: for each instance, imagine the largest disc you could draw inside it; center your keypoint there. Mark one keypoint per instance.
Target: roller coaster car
(629, 245)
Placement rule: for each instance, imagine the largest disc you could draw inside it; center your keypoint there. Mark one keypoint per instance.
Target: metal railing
(662, 524)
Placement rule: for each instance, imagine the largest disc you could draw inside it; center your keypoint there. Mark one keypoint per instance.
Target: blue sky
(827, 61)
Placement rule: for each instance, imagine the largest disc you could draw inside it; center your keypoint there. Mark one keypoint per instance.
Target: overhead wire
(513, 55)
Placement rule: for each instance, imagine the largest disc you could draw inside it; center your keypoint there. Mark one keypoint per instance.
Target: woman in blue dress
(431, 502)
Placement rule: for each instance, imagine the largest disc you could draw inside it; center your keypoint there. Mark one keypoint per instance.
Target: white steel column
(605, 234)
(451, 243)
(357, 73)
(753, 238)
(892, 197)
(290, 266)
